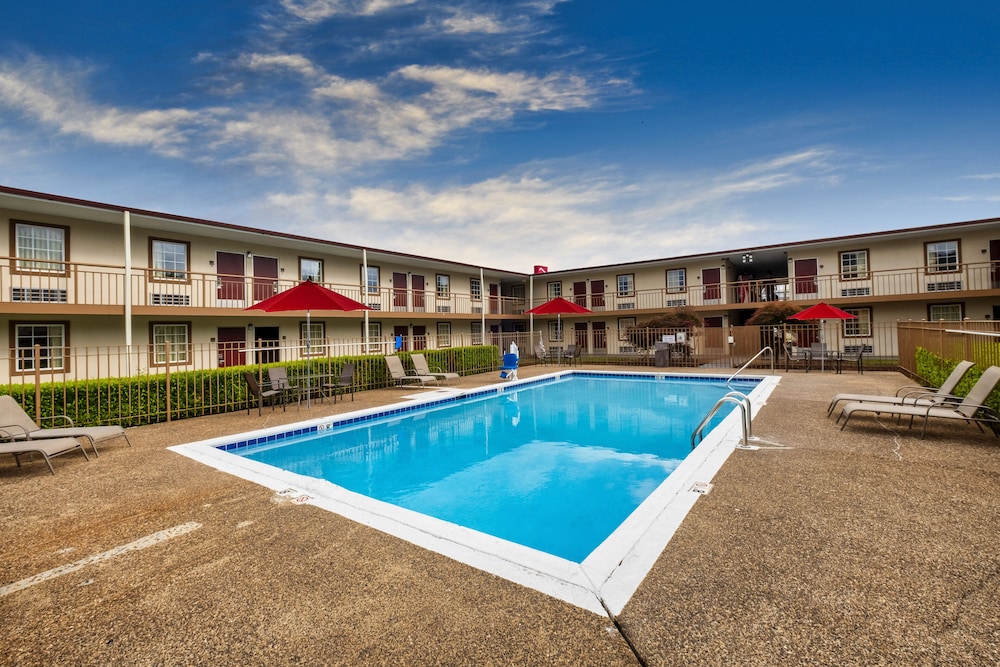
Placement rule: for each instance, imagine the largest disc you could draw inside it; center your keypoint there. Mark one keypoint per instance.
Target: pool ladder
(741, 400)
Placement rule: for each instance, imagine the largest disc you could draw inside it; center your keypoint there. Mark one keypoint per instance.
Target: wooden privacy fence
(975, 340)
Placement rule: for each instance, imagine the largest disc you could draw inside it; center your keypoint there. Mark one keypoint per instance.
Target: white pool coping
(606, 579)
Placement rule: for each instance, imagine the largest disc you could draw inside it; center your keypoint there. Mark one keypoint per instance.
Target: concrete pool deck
(863, 546)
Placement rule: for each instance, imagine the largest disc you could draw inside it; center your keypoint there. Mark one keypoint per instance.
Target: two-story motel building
(82, 273)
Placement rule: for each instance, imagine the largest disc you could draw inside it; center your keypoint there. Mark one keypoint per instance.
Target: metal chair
(345, 382)
(254, 388)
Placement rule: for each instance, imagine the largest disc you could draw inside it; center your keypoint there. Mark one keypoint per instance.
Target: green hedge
(142, 399)
(936, 369)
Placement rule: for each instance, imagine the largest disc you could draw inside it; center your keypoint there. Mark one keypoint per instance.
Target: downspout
(127, 287)
(485, 306)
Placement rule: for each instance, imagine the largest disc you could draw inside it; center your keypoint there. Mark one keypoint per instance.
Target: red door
(265, 277)
(419, 337)
(403, 333)
(805, 276)
(711, 280)
(494, 299)
(580, 294)
(418, 293)
(600, 336)
(596, 295)
(399, 291)
(232, 270)
(232, 342)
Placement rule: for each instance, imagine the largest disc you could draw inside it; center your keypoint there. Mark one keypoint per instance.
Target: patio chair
(970, 409)
(572, 353)
(48, 448)
(17, 422)
(508, 369)
(339, 386)
(911, 394)
(399, 375)
(420, 365)
(254, 390)
(278, 377)
(824, 358)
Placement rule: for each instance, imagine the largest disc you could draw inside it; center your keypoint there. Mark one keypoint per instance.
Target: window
(443, 286)
(676, 280)
(942, 256)
(944, 311)
(40, 248)
(51, 340)
(624, 324)
(476, 289)
(555, 331)
(444, 334)
(854, 265)
(554, 290)
(314, 335)
(169, 259)
(477, 333)
(311, 269)
(372, 281)
(861, 326)
(626, 284)
(178, 334)
(374, 330)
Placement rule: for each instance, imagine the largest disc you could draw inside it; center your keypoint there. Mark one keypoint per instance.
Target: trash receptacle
(661, 357)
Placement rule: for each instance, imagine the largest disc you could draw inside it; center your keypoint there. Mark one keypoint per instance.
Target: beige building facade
(85, 274)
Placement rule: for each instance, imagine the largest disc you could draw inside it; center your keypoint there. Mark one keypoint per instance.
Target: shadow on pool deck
(867, 546)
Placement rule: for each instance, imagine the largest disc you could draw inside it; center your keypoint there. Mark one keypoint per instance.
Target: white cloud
(314, 11)
(983, 177)
(55, 97)
(552, 215)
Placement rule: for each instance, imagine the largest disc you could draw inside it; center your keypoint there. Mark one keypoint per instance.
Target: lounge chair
(47, 447)
(254, 390)
(420, 365)
(508, 369)
(339, 386)
(401, 377)
(970, 409)
(278, 377)
(911, 394)
(15, 421)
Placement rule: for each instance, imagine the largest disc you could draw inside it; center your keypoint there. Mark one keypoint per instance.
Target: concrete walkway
(862, 547)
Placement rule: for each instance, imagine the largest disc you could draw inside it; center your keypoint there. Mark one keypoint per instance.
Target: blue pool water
(555, 466)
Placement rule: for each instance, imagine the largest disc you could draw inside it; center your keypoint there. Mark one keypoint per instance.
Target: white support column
(364, 293)
(127, 287)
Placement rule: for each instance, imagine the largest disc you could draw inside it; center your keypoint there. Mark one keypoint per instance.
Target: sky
(563, 133)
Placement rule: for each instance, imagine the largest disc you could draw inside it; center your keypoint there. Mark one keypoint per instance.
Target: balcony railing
(104, 287)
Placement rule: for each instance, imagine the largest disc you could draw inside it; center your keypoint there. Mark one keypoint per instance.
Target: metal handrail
(766, 348)
(742, 400)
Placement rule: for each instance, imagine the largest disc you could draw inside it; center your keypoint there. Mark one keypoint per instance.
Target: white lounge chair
(422, 368)
(401, 377)
(48, 448)
(971, 408)
(16, 422)
(911, 394)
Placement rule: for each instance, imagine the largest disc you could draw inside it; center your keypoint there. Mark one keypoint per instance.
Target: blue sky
(564, 133)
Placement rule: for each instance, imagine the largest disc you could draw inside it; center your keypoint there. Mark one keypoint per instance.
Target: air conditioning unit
(37, 295)
(676, 303)
(947, 286)
(375, 306)
(477, 310)
(169, 299)
(444, 309)
(626, 306)
(856, 291)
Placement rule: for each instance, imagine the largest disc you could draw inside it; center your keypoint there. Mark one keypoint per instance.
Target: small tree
(773, 313)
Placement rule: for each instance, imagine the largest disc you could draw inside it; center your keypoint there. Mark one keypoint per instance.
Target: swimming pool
(579, 510)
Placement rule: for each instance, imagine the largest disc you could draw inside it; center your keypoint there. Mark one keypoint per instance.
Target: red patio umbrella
(308, 296)
(557, 307)
(822, 311)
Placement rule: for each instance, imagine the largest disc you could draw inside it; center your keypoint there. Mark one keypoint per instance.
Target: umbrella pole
(308, 359)
(562, 339)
